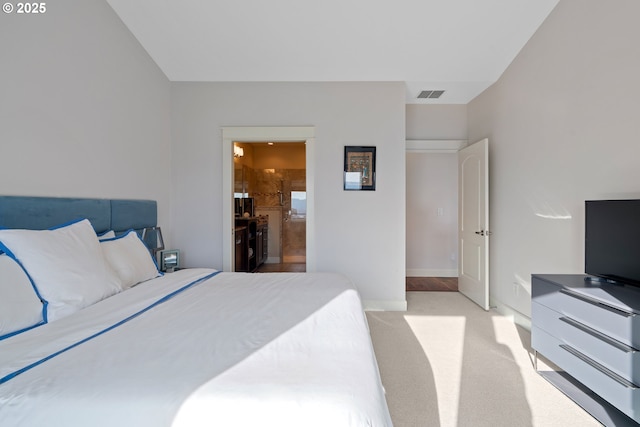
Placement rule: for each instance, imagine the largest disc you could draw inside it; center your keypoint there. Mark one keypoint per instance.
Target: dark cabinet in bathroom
(241, 248)
(251, 243)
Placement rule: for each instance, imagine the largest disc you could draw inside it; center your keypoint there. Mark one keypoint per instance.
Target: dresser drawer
(620, 393)
(621, 325)
(614, 355)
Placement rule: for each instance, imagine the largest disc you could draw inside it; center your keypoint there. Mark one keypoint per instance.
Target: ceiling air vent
(430, 94)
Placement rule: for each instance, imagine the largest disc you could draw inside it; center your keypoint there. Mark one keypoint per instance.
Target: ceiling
(459, 46)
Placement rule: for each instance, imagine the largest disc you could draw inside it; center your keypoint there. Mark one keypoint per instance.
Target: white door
(473, 228)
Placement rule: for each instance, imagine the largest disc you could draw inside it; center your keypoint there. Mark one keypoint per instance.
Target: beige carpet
(446, 362)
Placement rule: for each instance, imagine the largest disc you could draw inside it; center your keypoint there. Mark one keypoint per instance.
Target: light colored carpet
(446, 362)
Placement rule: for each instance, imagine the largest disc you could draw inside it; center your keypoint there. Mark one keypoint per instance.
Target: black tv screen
(612, 240)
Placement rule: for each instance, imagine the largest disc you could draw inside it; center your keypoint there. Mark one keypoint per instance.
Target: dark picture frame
(359, 168)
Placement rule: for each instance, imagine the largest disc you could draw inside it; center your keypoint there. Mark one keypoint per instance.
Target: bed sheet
(285, 349)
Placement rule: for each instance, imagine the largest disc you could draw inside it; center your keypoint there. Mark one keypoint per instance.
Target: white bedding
(289, 349)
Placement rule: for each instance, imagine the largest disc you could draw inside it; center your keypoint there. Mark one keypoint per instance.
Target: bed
(197, 347)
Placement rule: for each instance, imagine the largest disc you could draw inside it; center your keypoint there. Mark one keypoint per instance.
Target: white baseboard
(517, 317)
(430, 272)
(373, 305)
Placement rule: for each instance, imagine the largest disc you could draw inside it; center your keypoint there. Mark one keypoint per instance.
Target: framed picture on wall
(359, 168)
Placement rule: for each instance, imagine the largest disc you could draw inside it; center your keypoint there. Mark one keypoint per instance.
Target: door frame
(231, 134)
(436, 146)
(454, 147)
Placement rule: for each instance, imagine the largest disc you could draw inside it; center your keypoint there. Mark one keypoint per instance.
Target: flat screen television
(612, 240)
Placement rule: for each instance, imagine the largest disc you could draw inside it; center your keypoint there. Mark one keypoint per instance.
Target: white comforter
(234, 350)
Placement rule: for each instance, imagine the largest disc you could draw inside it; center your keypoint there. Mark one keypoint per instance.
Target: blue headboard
(40, 213)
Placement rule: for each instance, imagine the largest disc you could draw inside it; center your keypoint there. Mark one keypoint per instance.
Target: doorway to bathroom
(281, 134)
(270, 187)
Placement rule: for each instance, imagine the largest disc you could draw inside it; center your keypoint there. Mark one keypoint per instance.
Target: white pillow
(20, 306)
(65, 264)
(130, 259)
(107, 235)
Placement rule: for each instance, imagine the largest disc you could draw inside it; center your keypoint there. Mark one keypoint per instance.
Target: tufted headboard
(39, 213)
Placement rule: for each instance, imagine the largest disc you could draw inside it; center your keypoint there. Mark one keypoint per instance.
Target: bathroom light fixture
(237, 151)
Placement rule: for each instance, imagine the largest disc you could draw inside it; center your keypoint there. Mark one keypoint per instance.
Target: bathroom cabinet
(251, 237)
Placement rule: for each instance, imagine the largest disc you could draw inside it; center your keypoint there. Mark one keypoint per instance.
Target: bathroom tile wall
(272, 188)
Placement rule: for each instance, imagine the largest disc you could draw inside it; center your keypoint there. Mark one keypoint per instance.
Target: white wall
(360, 234)
(563, 127)
(436, 121)
(432, 184)
(84, 111)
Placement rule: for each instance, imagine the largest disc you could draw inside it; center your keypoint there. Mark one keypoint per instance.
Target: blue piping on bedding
(162, 300)
(45, 303)
(10, 334)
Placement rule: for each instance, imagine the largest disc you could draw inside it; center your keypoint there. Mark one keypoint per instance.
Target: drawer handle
(586, 359)
(602, 337)
(598, 303)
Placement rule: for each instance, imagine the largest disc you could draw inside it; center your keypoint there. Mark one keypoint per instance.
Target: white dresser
(591, 330)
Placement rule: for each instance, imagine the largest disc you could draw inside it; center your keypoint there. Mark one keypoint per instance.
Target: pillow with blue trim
(110, 234)
(20, 306)
(65, 264)
(130, 259)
